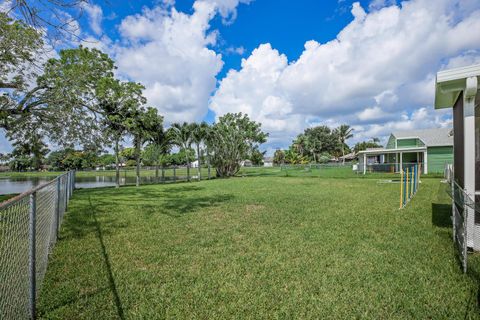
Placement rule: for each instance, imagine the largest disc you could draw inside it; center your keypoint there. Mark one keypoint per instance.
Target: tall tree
(19, 45)
(364, 145)
(144, 126)
(31, 147)
(343, 132)
(159, 141)
(234, 138)
(257, 156)
(199, 135)
(119, 103)
(182, 136)
(65, 93)
(279, 157)
(58, 18)
(209, 140)
(300, 144)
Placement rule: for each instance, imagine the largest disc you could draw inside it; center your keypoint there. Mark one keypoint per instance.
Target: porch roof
(373, 152)
(450, 83)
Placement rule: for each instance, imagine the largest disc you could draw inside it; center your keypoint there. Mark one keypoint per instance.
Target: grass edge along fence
(29, 226)
(409, 183)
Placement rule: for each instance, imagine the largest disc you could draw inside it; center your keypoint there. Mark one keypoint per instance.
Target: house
(194, 164)
(348, 157)
(268, 162)
(459, 89)
(432, 149)
(246, 163)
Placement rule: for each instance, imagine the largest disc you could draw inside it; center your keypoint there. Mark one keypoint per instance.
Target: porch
(392, 160)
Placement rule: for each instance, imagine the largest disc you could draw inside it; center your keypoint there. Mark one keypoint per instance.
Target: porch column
(364, 163)
(425, 162)
(469, 154)
(401, 161)
(397, 160)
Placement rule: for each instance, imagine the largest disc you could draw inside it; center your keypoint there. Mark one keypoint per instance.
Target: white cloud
(95, 17)
(380, 67)
(169, 52)
(236, 50)
(373, 113)
(378, 4)
(254, 90)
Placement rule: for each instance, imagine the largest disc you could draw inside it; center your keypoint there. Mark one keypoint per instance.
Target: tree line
(322, 144)
(76, 100)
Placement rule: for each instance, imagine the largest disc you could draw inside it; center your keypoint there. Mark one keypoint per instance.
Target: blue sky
(283, 23)
(289, 64)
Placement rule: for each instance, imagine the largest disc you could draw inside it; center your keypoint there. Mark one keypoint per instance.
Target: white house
(268, 162)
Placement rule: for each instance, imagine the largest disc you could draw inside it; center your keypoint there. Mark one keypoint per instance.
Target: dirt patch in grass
(253, 208)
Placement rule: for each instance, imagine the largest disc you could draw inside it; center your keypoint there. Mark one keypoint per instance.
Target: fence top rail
(27, 193)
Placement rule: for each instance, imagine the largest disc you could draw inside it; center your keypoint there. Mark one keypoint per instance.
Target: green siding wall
(437, 157)
(410, 157)
(409, 143)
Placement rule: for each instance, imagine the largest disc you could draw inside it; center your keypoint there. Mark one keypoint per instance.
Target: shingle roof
(431, 137)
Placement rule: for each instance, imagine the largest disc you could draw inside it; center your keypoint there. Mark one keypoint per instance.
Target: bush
(131, 163)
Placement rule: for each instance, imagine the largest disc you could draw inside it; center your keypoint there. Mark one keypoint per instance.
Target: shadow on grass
(108, 266)
(94, 213)
(174, 201)
(441, 215)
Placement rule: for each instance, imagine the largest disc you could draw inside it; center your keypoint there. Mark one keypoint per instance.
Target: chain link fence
(461, 201)
(29, 225)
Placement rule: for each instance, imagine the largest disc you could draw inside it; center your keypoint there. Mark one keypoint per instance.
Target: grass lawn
(258, 247)
(5, 197)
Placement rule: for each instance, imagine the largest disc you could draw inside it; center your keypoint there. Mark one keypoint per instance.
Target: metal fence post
(57, 210)
(67, 186)
(163, 174)
(32, 253)
(65, 191)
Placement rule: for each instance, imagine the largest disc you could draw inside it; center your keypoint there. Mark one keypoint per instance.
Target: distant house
(246, 163)
(194, 164)
(268, 162)
(431, 148)
(348, 157)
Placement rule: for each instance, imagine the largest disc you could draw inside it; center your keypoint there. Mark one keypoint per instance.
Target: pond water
(21, 184)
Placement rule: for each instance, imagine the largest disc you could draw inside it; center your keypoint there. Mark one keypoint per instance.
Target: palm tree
(199, 134)
(161, 143)
(344, 133)
(300, 144)
(208, 140)
(182, 136)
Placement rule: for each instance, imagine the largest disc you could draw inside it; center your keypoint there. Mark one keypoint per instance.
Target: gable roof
(431, 137)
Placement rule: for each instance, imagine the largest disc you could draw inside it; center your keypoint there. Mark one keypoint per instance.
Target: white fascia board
(381, 151)
(450, 83)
